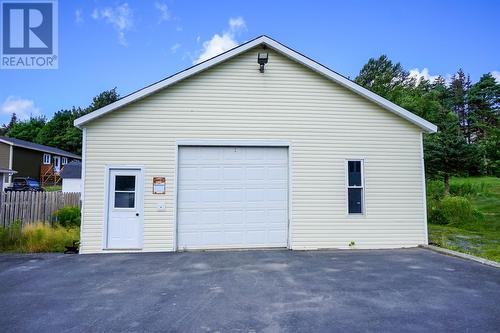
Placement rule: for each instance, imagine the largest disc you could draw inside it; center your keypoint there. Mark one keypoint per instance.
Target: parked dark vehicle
(24, 184)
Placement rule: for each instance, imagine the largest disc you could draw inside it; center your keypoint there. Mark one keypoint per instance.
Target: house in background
(33, 160)
(71, 176)
(257, 147)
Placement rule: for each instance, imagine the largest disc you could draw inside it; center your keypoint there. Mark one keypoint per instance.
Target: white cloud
(237, 23)
(496, 75)
(217, 45)
(120, 17)
(78, 16)
(23, 108)
(422, 75)
(221, 43)
(175, 47)
(164, 11)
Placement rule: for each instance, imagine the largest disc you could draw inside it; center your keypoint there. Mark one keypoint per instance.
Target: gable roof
(35, 146)
(72, 170)
(278, 47)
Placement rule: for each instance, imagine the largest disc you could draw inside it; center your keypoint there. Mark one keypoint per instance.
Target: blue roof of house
(36, 146)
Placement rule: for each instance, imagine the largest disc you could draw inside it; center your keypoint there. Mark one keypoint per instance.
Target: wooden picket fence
(32, 207)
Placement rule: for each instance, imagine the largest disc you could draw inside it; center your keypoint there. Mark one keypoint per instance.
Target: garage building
(258, 147)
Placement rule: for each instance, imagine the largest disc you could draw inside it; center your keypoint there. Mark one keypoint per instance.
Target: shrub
(436, 215)
(459, 187)
(456, 209)
(452, 210)
(468, 189)
(68, 216)
(43, 238)
(37, 238)
(435, 189)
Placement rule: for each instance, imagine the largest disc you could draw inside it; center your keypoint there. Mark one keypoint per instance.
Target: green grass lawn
(480, 238)
(53, 188)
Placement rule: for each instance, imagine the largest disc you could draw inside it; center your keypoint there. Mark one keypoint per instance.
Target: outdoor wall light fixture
(262, 60)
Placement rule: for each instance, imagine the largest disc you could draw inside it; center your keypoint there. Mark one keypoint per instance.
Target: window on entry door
(355, 187)
(124, 192)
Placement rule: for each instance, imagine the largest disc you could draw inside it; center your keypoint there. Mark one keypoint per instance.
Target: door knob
(136, 214)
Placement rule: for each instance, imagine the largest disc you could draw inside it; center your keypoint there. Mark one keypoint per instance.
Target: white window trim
(362, 187)
(47, 159)
(64, 160)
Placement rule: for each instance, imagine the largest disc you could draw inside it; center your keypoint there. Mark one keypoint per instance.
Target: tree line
(467, 115)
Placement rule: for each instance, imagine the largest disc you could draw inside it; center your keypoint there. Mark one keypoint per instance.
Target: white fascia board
(313, 65)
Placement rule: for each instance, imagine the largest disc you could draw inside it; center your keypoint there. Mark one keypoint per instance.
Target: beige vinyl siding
(325, 125)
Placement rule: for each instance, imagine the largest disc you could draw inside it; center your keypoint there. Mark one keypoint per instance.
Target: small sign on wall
(159, 185)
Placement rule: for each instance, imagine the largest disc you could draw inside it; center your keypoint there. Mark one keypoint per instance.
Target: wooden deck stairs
(48, 176)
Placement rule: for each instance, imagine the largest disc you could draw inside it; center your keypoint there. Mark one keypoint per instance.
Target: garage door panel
(256, 173)
(277, 215)
(254, 216)
(210, 196)
(232, 197)
(187, 196)
(234, 173)
(212, 237)
(189, 173)
(275, 236)
(257, 237)
(277, 173)
(234, 238)
(210, 173)
(234, 217)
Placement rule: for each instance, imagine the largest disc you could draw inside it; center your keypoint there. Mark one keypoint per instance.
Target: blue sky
(129, 44)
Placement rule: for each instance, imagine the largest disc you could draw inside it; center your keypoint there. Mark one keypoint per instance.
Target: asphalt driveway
(411, 290)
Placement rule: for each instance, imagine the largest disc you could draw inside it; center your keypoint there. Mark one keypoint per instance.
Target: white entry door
(232, 197)
(57, 164)
(125, 209)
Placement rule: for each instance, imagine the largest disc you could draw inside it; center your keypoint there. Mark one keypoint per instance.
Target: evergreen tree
(459, 87)
(5, 127)
(447, 152)
(484, 104)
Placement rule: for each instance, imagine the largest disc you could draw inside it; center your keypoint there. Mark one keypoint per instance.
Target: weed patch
(36, 238)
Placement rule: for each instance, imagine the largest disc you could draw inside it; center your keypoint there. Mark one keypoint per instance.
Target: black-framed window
(355, 187)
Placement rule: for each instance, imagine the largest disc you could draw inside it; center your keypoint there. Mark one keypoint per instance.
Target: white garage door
(232, 197)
